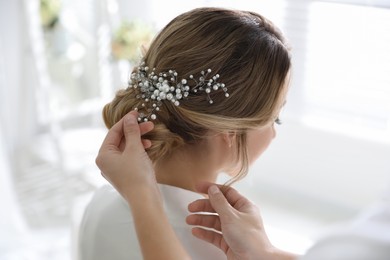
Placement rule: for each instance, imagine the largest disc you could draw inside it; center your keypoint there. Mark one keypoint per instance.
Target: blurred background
(62, 60)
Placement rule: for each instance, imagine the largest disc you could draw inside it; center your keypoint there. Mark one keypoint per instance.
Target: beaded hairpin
(154, 88)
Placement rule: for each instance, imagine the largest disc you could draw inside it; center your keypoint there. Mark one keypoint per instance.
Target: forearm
(155, 234)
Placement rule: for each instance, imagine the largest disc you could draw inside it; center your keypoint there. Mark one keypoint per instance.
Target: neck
(185, 168)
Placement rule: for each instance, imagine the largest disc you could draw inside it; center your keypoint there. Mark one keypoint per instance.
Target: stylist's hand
(122, 158)
(243, 235)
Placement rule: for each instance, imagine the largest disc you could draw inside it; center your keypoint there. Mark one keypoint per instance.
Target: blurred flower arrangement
(128, 39)
(49, 12)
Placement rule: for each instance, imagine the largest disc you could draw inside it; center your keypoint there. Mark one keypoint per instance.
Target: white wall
(328, 172)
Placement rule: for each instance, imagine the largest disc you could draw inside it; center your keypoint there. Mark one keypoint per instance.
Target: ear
(229, 138)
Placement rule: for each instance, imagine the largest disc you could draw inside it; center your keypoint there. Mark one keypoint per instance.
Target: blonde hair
(251, 57)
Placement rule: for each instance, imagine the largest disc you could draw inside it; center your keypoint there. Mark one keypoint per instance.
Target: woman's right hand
(239, 221)
(125, 164)
(122, 158)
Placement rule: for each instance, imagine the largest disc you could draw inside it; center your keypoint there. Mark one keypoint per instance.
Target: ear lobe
(229, 138)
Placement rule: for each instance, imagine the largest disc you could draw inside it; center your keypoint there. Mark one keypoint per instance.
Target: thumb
(132, 132)
(218, 201)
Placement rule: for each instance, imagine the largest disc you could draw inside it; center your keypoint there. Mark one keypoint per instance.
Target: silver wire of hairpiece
(154, 88)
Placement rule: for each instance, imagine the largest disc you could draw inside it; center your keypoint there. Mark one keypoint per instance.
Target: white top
(107, 230)
(368, 238)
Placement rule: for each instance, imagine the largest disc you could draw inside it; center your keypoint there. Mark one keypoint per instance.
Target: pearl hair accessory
(154, 88)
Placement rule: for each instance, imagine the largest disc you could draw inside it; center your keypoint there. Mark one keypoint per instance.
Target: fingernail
(130, 119)
(214, 189)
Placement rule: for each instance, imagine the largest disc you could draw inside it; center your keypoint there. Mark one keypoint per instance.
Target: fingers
(209, 221)
(146, 143)
(203, 186)
(146, 127)
(132, 132)
(219, 202)
(232, 195)
(235, 199)
(212, 237)
(201, 205)
(114, 136)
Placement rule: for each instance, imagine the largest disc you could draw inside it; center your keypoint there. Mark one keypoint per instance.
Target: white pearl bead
(162, 95)
(178, 90)
(177, 103)
(208, 90)
(169, 96)
(183, 81)
(227, 95)
(153, 116)
(215, 87)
